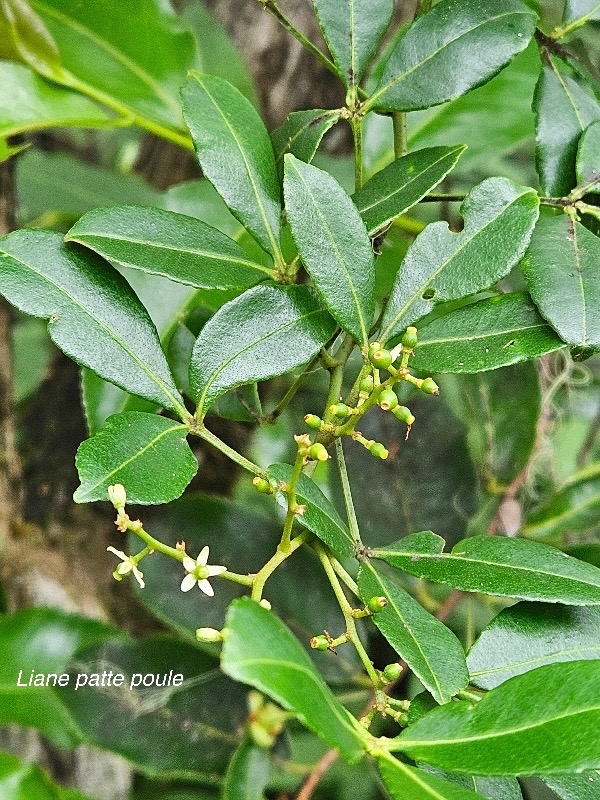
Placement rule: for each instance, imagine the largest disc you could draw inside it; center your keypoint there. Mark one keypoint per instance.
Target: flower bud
(388, 399)
(117, 496)
(392, 672)
(429, 386)
(264, 603)
(318, 452)
(404, 414)
(409, 340)
(339, 410)
(313, 421)
(209, 635)
(381, 359)
(320, 642)
(366, 384)
(373, 347)
(378, 450)
(262, 484)
(377, 604)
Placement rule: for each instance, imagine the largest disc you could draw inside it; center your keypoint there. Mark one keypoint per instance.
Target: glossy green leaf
(319, 516)
(95, 317)
(400, 185)
(333, 243)
(441, 265)
(528, 636)
(146, 453)
(440, 57)
(133, 57)
(163, 243)
(502, 408)
(588, 159)
(572, 509)
(47, 106)
(20, 780)
(41, 641)
(585, 786)
(498, 565)
(235, 154)
(514, 730)
(301, 133)
(267, 331)
(23, 37)
(61, 183)
(261, 651)
(185, 731)
(561, 270)
(488, 334)
(248, 773)
(32, 353)
(408, 783)
(8, 151)
(429, 648)
(352, 30)
(490, 788)
(576, 9)
(563, 110)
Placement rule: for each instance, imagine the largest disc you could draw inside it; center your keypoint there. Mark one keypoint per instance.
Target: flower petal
(213, 569)
(118, 553)
(206, 588)
(125, 568)
(203, 557)
(139, 576)
(188, 583)
(189, 564)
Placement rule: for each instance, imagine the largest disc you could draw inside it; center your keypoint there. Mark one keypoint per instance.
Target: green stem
(400, 136)
(292, 508)
(350, 511)
(348, 618)
(263, 575)
(337, 376)
(154, 544)
(291, 392)
(356, 125)
(561, 31)
(346, 577)
(234, 577)
(204, 433)
(586, 208)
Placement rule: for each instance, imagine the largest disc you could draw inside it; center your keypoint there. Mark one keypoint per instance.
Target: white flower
(128, 566)
(198, 572)
(117, 496)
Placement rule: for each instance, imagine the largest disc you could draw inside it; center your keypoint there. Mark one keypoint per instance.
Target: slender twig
(315, 775)
(400, 135)
(204, 433)
(350, 510)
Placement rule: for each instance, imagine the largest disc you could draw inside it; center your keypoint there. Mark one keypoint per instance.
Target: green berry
(320, 642)
(392, 672)
(409, 340)
(388, 399)
(378, 450)
(339, 410)
(429, 386)
(373, 347)
(261, 484)
(318, 452)
(381, 359)
(366, 385)
(313, 421)
(404, 414)
(377, 604)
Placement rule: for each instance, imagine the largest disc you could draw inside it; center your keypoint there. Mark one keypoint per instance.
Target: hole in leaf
(428, 294)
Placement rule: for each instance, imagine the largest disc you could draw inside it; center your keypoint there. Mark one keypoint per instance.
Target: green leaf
(104, 55)
(429, 648)
(47, 106)
(352, 30)
(439, 58)
(563, 110)
(514, 729)
(490, 788)
(400, 185)
(502, 408)
(301, 133)
(588, 159)
(333, 243)
(235, 154)
(8, 151)
(488, 334)
(163, 243)
(585, 786)
(23, 37)
(248, 773)
(41, 641)
(267, 331)
(576, 9)
(561, 271)
(441, 265)
(20, 780)
(408, 783)
(148, 454)
(59, 182)
(319, 516)
(528, 636)
(185, 731)
(499, 566)
(32, 353)
(572, 509)
(261, 651)
(95, 317)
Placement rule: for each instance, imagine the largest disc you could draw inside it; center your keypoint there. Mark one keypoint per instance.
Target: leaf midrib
(488, 335)
(531, 662)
